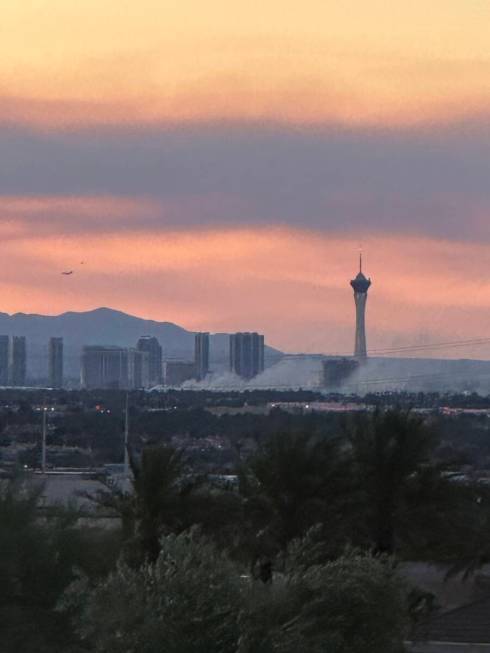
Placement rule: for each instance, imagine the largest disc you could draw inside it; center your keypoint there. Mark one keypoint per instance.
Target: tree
(466, 546)
(159, 492)
(167, 499)
(37, 561)
(355, 604)
(294, 482)
(186, 602)
(195, 600)
(155, 506)
(398, 481)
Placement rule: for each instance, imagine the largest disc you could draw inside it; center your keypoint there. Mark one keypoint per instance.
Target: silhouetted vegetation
(39, 558)
(295, 551)
(195, 599)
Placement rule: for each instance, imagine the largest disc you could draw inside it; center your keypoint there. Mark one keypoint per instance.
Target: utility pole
(126, 436)
(43, 450)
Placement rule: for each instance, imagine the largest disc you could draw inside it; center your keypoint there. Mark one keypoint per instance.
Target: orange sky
(354, 61)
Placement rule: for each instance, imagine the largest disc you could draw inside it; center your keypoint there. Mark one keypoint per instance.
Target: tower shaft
(360, 349)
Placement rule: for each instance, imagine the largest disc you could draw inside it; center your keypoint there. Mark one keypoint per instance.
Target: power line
(424, 347)
(440, 345)
(408, 379)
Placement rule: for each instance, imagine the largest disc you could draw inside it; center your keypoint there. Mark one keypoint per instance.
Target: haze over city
(222, 173)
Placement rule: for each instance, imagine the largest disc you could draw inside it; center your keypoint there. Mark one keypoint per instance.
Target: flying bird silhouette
(67, 273)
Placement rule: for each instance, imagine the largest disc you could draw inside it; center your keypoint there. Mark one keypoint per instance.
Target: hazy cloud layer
(426, 182)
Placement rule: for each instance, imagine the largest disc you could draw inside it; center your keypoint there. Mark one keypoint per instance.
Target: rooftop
(469, 624)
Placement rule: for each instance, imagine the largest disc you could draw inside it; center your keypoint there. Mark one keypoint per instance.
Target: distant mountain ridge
(105, 326)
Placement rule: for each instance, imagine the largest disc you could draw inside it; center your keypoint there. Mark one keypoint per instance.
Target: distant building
(17, 361)
(151, 346)
(360, 286)
(247, 354)
(177, 372)
(114, 368)
(104, 367)
(201, 355)
(55, 362)
(138, 369)
(4, 360)
(337, 370)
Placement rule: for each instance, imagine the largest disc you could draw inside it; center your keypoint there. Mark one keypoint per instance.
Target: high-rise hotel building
(55, 363)
(4, 360)
(17, 361)
(114, 368)
(151, 346)
(247, 354)
(201, 355)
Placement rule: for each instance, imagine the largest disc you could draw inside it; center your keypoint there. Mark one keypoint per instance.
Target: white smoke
(290, 373)
(376, 375)
(419, 375)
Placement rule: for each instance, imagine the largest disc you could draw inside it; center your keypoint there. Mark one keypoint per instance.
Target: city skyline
(230, 188)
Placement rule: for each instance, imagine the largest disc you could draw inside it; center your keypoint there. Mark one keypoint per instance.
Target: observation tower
(361, 286)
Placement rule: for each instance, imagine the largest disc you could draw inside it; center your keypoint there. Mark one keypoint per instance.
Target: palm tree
(159, 493)
(166, 498)
(153, 507)
(294, 482)
(400, 484)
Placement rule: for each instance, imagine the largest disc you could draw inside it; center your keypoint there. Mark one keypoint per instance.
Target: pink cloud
(293, 285)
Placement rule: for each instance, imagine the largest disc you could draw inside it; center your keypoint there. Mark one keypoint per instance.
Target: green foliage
(166, 499)
(195, 600)
(157, 504)
(354, 604)
(37, 561)
(392, 454)
(187, 602)
(304, 498)
(467, 544)
(158, 493)
(293, 482)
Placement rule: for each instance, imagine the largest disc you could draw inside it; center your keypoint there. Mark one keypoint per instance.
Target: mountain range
(106, 326)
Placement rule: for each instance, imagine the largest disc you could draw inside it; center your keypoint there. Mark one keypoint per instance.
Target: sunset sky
(218, 164)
